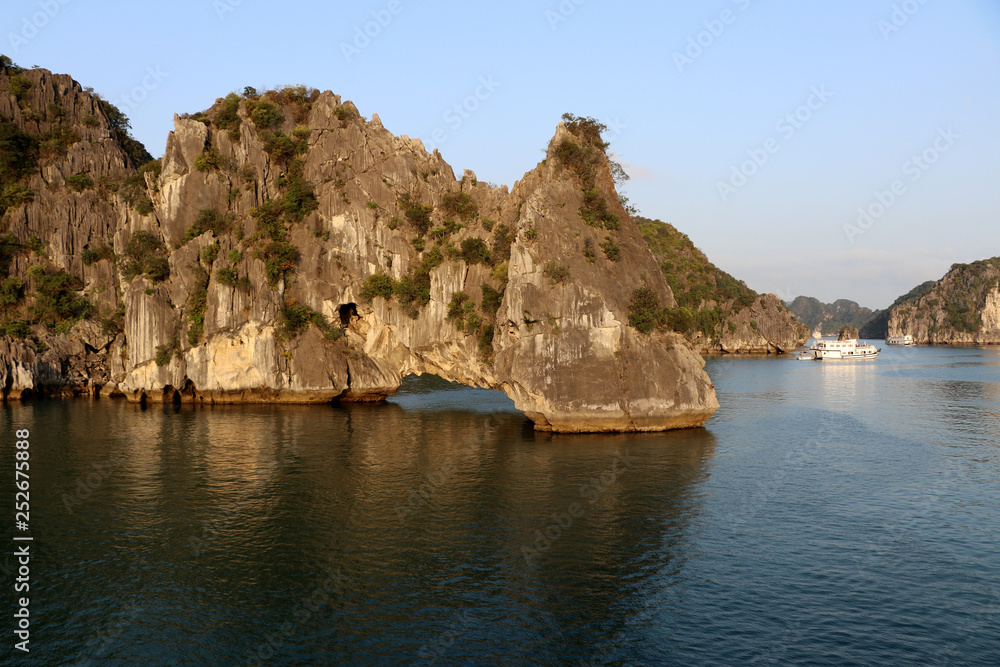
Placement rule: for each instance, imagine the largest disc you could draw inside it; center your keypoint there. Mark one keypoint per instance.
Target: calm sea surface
(829, 514)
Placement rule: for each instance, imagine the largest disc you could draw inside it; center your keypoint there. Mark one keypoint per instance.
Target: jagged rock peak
(288, 250)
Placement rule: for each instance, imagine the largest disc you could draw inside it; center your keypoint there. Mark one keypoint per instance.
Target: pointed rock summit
(287, 250)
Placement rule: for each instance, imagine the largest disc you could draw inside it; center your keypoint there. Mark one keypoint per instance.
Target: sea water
(830, 513)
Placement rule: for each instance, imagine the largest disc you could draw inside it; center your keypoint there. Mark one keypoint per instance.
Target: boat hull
(843, 350)
(847, 356)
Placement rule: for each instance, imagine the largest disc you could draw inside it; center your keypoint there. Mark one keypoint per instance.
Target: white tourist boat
(900, 340)
(849, 349)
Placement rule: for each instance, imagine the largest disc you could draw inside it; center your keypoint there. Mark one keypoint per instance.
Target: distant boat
(843, 350)
(900, 340)
(818, 333)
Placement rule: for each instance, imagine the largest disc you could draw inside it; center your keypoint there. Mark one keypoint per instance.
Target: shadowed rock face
(765, 327)
(830, 317)
(508, 295)
(848, 333)
(580, 367)
(718, 314)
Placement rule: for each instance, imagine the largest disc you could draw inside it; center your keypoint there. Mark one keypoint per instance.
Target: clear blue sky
(885, 95)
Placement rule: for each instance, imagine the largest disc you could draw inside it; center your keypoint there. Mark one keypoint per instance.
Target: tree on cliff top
(120, 126)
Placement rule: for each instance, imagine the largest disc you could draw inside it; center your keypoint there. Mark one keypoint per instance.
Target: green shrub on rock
(379, 284)
(644, 310)
(145, 253)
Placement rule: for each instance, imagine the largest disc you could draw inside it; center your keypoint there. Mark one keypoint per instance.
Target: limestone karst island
(286, 249)
(552, 333)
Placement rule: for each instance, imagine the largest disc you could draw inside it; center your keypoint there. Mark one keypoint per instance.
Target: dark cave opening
(347, 311)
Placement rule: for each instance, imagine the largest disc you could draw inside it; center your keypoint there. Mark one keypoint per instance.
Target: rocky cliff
(877, 325)
(67, 165)
(961, 308)
(847, 332)
(286, 249)
(830, 317)
(716, 312)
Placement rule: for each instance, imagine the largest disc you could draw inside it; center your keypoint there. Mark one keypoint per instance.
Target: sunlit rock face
(276, 218)
(962, 308)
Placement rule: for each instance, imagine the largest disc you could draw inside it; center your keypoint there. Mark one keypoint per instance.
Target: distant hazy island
(961, 308)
